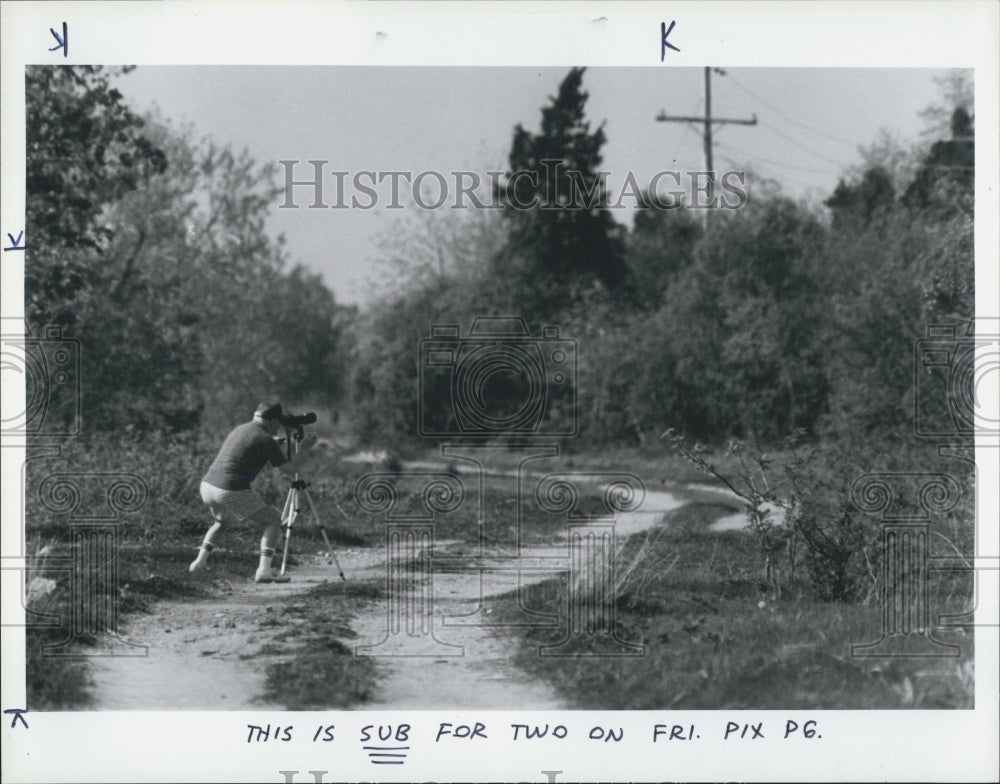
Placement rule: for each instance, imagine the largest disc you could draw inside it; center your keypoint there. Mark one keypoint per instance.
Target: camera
(949, 374)
(49, 368)
(497, 380)
(296, 420)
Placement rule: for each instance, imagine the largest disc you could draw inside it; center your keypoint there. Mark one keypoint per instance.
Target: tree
(946, 177)
(885, 285)
(957, 91)
(661, 244)
(859, 204)
(84, 150)
(562, 237)
(163, 268)
(678, 379)
(199, 274)
(771, 302)
(734, 348)
(426, 247)
(889, 153)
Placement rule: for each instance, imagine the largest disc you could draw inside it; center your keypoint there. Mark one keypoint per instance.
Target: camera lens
(499, 387)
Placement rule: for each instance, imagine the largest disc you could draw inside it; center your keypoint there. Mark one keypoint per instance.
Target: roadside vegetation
(715, 636)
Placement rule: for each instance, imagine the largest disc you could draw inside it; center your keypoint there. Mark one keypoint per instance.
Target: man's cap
(268, 410)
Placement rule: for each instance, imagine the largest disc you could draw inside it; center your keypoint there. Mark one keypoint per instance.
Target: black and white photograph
(433, 418)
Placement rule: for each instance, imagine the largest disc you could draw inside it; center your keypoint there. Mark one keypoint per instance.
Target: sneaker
(271, 576)
(198, 565)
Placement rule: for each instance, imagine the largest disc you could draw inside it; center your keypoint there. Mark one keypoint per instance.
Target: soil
(210, 654)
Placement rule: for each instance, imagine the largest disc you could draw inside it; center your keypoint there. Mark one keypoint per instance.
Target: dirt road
(210, 654)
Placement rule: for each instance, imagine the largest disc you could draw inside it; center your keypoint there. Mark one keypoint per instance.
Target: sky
(811, 123)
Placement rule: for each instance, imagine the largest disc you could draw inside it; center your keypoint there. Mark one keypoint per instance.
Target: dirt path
(459, 667)
(207, 655)
(738, 521)
(194, 658)
(474, 668)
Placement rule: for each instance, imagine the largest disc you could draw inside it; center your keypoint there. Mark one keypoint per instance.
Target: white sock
(266, 556)
(202, 558)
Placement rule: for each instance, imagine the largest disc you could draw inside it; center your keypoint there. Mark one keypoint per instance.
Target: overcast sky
(810, 125)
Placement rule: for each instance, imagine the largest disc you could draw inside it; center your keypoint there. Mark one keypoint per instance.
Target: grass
(155, 546)
(714, 638)
(53, 683)
(498, 527)
(326, 676)
(318, 670)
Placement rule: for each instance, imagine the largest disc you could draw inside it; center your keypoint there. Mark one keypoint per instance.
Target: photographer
(226, 491)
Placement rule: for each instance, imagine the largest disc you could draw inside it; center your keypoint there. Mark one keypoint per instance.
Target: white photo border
(181, 746)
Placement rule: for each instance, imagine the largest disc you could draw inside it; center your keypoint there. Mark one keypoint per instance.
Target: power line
(771, 161)
(783, 178)
(786, 118)
(832, 137)
(801, 146)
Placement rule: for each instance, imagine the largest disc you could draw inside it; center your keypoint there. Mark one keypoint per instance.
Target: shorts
(237, 504)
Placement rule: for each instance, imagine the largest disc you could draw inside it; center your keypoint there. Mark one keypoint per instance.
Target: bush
(841, 554)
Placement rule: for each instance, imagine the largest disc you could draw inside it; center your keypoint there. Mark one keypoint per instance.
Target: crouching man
(226, 491)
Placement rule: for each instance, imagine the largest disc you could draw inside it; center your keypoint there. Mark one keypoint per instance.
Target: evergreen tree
(562, 238)
(948, 171)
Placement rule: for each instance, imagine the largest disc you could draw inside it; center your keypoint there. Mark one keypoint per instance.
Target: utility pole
(708, 121)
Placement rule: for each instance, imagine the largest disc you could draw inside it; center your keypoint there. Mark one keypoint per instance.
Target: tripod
(298, 491)
(290, 514)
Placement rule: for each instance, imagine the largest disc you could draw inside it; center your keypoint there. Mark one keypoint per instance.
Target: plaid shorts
(237, 504)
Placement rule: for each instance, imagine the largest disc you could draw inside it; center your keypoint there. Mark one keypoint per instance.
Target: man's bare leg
(269, 541)
(207, 545)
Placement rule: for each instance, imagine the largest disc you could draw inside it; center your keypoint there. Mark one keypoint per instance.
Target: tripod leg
(291, 512)
(286, 510)
(329, 547)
